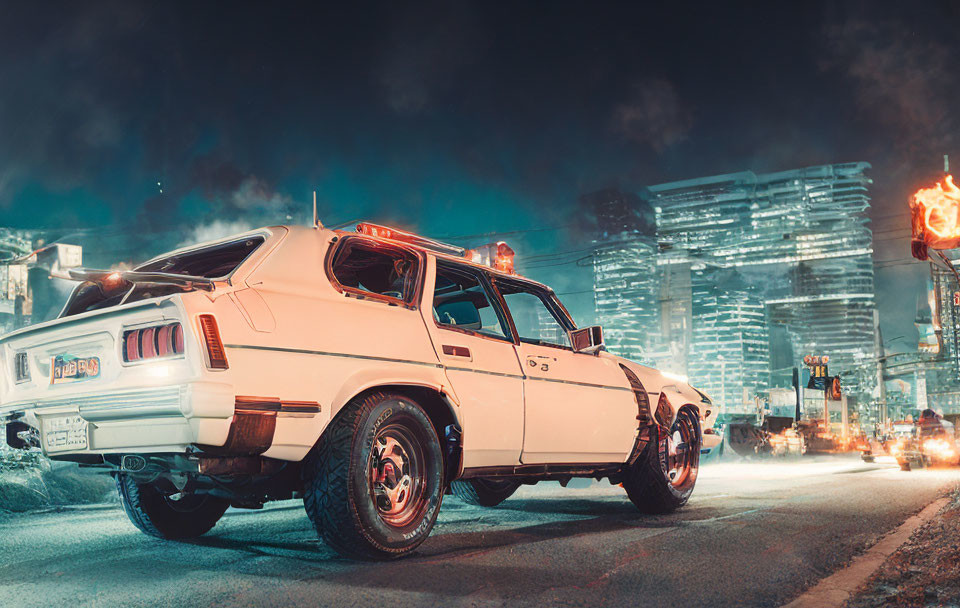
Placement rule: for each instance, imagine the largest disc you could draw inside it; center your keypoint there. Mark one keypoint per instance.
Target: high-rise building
(27, 266)
(801, 237)
(729, 354)
(749, 267)
(14, 290)
(626, 285)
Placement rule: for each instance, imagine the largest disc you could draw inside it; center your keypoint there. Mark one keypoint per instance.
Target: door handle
(456, 351)
(543, 365)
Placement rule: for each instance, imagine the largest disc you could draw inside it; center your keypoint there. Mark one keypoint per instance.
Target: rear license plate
(67, 368)
(64, 433)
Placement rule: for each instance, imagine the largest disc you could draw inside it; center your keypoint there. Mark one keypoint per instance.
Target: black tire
(484, 492)
(867, 458)
(347, 482)
(905, 466)
(648, 481)
(157, 514)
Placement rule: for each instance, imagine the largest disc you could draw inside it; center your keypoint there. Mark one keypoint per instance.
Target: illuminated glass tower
(626, 285)
(729, 353)
(800, 238)
(14, 293)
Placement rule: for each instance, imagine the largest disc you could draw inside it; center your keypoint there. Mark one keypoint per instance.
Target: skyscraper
(626, 285)
(729, 355)
(738, 256)
(800, 237)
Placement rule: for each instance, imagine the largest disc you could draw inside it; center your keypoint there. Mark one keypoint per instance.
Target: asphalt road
(753, 534)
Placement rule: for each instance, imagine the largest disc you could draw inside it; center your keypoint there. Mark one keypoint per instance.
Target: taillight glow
(165, 340)
(152, 342)
(131, 345)
(178, 338)
(148, 343)
(211, 336)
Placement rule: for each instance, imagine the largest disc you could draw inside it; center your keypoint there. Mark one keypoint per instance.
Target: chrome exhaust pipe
(132, 463)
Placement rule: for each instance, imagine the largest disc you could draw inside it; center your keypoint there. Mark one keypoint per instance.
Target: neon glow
(936, 215)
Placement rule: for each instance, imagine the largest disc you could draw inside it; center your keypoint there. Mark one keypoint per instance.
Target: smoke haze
(149, 125)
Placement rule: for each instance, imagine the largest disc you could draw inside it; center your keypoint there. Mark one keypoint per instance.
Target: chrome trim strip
(299, 409)
(123, 405)
(483, 371)
(586, 384)
(304, 351)
(131, 405)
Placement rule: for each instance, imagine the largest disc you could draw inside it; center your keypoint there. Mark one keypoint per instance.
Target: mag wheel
(484, 492)
(165, 515)
(374, 483)
(663, 477)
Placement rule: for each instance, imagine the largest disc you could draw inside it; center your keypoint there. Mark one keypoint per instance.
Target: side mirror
(587, 339)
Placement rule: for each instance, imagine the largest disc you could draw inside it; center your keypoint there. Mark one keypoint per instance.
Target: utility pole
(881, 358)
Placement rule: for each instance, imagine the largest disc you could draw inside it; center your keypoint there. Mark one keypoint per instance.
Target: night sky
(458, 118)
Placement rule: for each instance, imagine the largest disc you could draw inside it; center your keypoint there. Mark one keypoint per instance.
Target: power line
(504, 233)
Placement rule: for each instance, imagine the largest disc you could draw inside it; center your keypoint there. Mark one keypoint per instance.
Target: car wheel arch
(440, 408)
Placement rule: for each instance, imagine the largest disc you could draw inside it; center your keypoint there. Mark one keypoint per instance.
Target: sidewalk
(52, 484)
(924, 571)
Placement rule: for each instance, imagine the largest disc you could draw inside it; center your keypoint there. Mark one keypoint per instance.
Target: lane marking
(721, 517)
(840, 586)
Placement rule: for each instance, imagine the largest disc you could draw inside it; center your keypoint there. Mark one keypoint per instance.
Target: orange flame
(936, 215)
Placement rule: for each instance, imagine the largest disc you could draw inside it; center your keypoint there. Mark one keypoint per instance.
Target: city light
(936, 215)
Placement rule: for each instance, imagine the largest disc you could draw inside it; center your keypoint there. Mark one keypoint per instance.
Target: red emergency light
(497, 255)
(403, 236)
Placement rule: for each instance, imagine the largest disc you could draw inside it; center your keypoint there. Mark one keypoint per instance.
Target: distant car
(889, 443)
(932, 443)
(367, 372)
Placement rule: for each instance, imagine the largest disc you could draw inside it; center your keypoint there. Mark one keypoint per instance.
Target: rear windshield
(209, 262)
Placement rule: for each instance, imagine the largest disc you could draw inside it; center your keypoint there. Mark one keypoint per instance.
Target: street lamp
(723, 382)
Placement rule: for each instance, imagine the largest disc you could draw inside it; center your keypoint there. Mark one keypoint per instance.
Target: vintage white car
(369, 372)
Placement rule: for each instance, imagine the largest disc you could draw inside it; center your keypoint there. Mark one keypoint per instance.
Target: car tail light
(21, 367)
(211, 336)
(152, 342)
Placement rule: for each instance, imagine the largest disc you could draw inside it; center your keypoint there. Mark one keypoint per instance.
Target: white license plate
(64, 433)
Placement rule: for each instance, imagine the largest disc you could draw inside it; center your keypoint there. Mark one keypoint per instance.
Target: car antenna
(316, 218)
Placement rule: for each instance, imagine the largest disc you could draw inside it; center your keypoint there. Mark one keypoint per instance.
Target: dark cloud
(428, 47)
(654, 115)
(905, 78)
(460, 117)
(78, 122)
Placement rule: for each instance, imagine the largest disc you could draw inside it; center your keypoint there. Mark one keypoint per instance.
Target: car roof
(447, 257)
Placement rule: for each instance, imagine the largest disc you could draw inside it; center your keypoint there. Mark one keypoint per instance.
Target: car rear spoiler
(133, 276)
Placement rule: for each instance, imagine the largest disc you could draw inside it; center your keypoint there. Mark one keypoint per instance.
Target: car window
(212, 262)
(461, 301)
(535, 322)
(375, 268)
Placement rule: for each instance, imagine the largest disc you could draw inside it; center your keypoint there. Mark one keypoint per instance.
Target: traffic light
(835, 392)
(819, 373)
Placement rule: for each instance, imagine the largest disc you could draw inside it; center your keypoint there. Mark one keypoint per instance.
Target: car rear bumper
(156, 419)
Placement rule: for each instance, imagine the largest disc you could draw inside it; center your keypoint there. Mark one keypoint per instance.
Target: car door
(472, 338)
(578, 407)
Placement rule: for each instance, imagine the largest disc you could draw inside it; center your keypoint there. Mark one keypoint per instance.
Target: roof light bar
(497, 255)
(408, 237)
